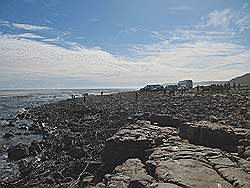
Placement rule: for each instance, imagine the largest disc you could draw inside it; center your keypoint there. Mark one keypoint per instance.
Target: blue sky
(97, 43)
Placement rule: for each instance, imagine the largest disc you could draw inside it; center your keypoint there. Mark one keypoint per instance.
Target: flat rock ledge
(146, 155)
(206, 133)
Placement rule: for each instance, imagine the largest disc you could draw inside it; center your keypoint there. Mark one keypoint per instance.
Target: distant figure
(225, 87)
(234, 86)
(202, 90)
(198, 88)
(173, 92)
(136, 95)
(101, 92)
(84, 98)
(73, 97)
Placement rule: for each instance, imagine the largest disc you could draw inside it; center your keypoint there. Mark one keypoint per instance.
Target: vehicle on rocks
(171, 87)
(185, 84)
(156, 87)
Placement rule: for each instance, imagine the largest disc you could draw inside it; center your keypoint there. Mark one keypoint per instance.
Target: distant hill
(243, 80)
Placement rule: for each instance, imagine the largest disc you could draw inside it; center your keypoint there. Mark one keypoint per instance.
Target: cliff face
(243, 80)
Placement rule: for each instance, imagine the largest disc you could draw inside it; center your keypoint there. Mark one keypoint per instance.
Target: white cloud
(198, 61)
(30, 26)
(220, 18)
(158, 35)
(228, 19)
(126, 30)
(206, 51)
(26, 35)
(5, 23)
(94, 19)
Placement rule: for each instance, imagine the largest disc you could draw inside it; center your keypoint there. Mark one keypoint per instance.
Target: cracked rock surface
(172, 161)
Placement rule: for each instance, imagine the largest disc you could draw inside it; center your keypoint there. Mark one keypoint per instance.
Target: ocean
(11, 101)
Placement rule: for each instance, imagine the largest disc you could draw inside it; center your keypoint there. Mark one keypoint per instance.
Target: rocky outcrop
(213, 135)
(143, 155)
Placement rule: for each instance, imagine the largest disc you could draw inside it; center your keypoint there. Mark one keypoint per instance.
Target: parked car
(171, 87)
(185, 84)
(156, 87)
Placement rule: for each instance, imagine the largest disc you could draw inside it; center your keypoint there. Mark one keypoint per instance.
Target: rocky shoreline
(149, 140)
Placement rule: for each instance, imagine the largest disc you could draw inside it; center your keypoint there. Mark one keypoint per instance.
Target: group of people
(218, 87)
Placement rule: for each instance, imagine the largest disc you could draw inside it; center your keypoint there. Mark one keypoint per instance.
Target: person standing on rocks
(136, 96)
(238, 86)
(234, 86)
(198, 88)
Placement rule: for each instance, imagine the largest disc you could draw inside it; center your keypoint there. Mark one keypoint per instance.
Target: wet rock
(23, 127)
(57, 176)
(213, 119)
(241, 150)
(10, 124)
(17, 152)
(67, 180)
(8, 135)
(78, 153)
(48, 181)
(246, 154)
(25, 168)
(34, 148)
(244, 142)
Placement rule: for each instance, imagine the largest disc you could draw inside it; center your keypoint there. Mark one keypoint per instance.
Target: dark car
(156, 87)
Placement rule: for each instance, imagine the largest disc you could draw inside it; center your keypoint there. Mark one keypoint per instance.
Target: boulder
(18, 152)
(132, 173)
(134, 142)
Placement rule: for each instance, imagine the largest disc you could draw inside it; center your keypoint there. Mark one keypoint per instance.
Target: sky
(117, 43)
